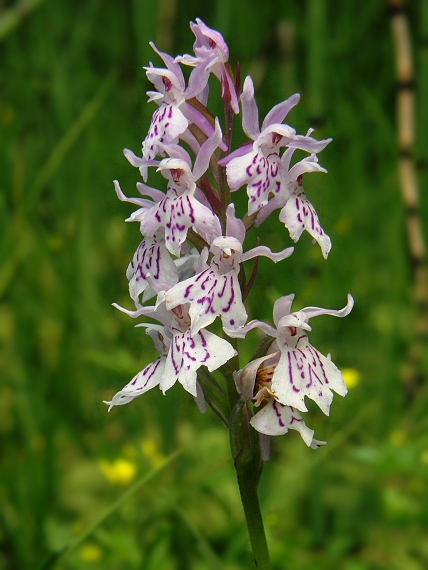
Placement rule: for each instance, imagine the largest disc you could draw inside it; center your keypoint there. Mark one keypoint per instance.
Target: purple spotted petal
(188, 353)
(276, 419)
(177, 214)
(210, 294)
(298, 214)
(261, 175)
(168, 123)
(303, 371)
(148, 378)
(153, 260)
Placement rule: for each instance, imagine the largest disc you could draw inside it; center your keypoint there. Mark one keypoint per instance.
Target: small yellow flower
(120, 471)
(151, 451)
(91, 553)
(351, 376)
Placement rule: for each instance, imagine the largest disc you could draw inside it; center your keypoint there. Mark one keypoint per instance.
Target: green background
(72, 96)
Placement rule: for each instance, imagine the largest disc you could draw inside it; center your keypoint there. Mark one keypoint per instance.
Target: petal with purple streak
(298, 214)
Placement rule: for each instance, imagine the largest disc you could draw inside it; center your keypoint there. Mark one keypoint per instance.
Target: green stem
(253, 517)
(246, 454)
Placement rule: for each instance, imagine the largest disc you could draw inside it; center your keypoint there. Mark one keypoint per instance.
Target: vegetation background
(72, 96)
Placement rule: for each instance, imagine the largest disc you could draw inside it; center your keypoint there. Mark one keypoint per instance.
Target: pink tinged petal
(303, 371)
(216, 37)
(242, 331)
(316, 311)
(203, 96)
(144, 190)
(141, 163)
(170, 63)
(265, 138)
(155, 95)
(309, 164)
(250, 112)
(228, 90)
(298, 214)
(151, 266)
(198, 84)
(141, 383)
(200, 196)
(139, 201)
(278, 113)
(282, 307)
(264, 251)
(209, 44)
(188, 353)
(175, 151)
(149, 311)
(207, 149)
(234, 226)
(169, 86)
(241, 151)
(158, 335)
(308, 143)
(286, 160)
(274, 203)
(196, 117)
(189, 139)
(229, 244)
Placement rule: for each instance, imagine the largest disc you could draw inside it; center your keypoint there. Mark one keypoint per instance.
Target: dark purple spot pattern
(263, 178)
(148, 378)
(151, 258)
(307, 373)
(176, 213)
(188, 353)
(298, 215)
(210, 294)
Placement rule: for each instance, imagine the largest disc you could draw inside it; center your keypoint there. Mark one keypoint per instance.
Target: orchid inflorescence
(191, 258)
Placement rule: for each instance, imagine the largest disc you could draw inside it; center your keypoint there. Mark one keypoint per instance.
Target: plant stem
(253, 517)
(246, 453)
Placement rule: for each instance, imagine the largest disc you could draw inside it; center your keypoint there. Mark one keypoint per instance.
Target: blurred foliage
(71, 98)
